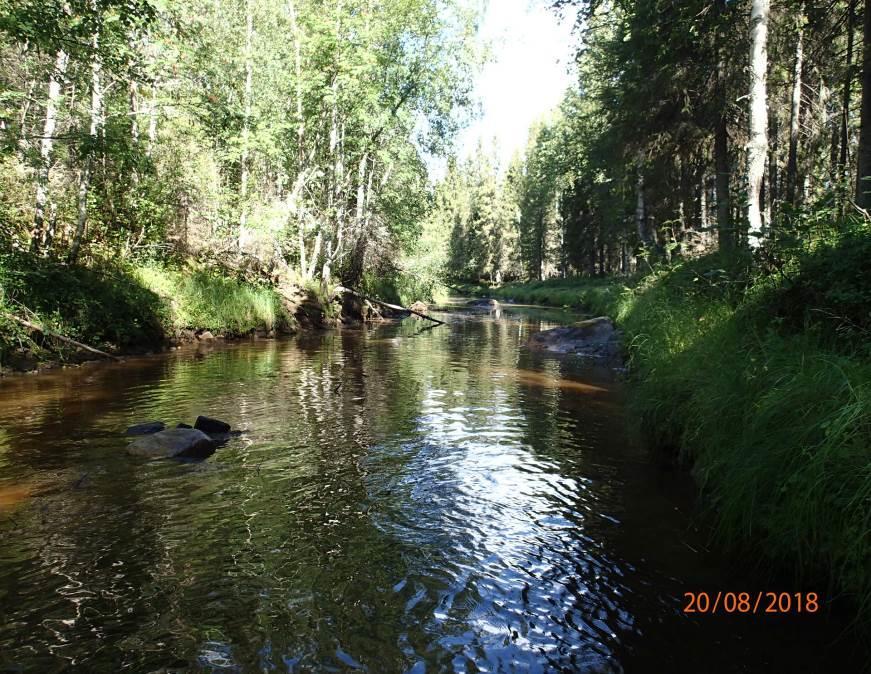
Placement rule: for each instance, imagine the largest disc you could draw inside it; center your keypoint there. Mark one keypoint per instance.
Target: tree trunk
(794, 115)
(725, 232)
(297, 67)
(843, 156)
(640, 215)
(772, 186)
(757, 146)
(152, 122)
(45, 148)
(246, 125)
(863, 154)
(96, 127)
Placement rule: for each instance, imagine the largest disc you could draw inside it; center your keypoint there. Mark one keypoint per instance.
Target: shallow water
(402, 499)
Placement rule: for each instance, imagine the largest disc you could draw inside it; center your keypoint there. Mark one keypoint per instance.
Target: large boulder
(146, 428)
(596, 338)
(176, 443)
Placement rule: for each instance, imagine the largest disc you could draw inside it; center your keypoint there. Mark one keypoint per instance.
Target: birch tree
(55, 81)
(757, 145)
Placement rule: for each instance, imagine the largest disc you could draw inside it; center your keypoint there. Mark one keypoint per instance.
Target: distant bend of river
(401, 499)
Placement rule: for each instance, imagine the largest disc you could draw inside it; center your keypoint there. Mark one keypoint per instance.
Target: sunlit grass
(202, 299)
(772, 411)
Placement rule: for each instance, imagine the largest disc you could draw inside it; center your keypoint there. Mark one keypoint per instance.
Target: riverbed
(402, 498)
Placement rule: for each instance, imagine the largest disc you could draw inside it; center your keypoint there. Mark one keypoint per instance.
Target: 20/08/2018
(751, 602)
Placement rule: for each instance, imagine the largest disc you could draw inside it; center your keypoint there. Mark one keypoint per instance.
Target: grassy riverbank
(762, 380)
(119, 307)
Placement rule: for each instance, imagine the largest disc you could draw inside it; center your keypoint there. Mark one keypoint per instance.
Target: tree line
(288, 131)
(693, 126)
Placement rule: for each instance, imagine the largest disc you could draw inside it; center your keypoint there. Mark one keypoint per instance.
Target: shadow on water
(401, 500)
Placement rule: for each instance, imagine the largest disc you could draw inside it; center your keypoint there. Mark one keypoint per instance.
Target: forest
(168, 167)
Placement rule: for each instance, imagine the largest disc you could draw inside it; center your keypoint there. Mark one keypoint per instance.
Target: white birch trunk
(246, 125)
(757, 146)
(794, 118)
(640, 216)
(93, 133)
(152, 122)
(45, 147)
(297, 67)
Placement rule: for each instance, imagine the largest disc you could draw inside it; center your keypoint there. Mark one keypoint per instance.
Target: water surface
(401, 499)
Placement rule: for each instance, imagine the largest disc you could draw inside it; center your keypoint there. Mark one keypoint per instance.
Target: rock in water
(176, 443)
(183, 425)
(596, 338)
(207, 425)
(146, 428)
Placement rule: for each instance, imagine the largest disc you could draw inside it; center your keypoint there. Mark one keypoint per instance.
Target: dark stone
(146, 428)
(208, 425)
(184, 425)
(176, 443)
(595, 338)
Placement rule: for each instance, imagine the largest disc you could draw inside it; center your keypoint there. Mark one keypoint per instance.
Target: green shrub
(102, 306)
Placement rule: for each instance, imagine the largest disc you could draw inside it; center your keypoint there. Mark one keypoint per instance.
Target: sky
(526, 77)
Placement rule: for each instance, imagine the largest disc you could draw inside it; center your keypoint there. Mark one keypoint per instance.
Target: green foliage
(776, 423)
(103, 306)
(123, 307)
(205, 299)
(824, 286)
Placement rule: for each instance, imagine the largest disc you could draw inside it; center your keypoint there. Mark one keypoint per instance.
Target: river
(400, 499)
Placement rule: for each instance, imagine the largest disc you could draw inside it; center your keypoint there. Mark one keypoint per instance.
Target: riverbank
(127, 309)
(761, 381)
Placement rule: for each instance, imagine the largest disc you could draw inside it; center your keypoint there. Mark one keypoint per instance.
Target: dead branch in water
(394, 307)
(49, 333)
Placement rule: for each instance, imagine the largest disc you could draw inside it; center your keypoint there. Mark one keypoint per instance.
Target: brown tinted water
(401, 500)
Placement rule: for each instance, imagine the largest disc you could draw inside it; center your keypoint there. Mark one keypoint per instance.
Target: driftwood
(394, 307)
(49, 333)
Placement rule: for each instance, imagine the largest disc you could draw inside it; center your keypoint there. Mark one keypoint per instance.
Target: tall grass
(205, 299)
(762, 383)
(123, 307)
(777, 425)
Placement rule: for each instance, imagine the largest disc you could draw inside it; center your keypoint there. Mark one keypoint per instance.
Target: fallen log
(394, 307)
(49, 333)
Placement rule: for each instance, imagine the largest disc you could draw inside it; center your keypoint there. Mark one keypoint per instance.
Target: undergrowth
(117, 307)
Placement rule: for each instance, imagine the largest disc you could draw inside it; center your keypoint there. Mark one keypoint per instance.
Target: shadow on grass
(100, 306)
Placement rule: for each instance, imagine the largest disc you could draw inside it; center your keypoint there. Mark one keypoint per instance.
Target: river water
(401, 499)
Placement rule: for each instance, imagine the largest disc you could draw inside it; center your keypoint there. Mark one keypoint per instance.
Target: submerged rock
(176, 443)
(183, 425)
(145, 428)
(209, 425)
(595, 338)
